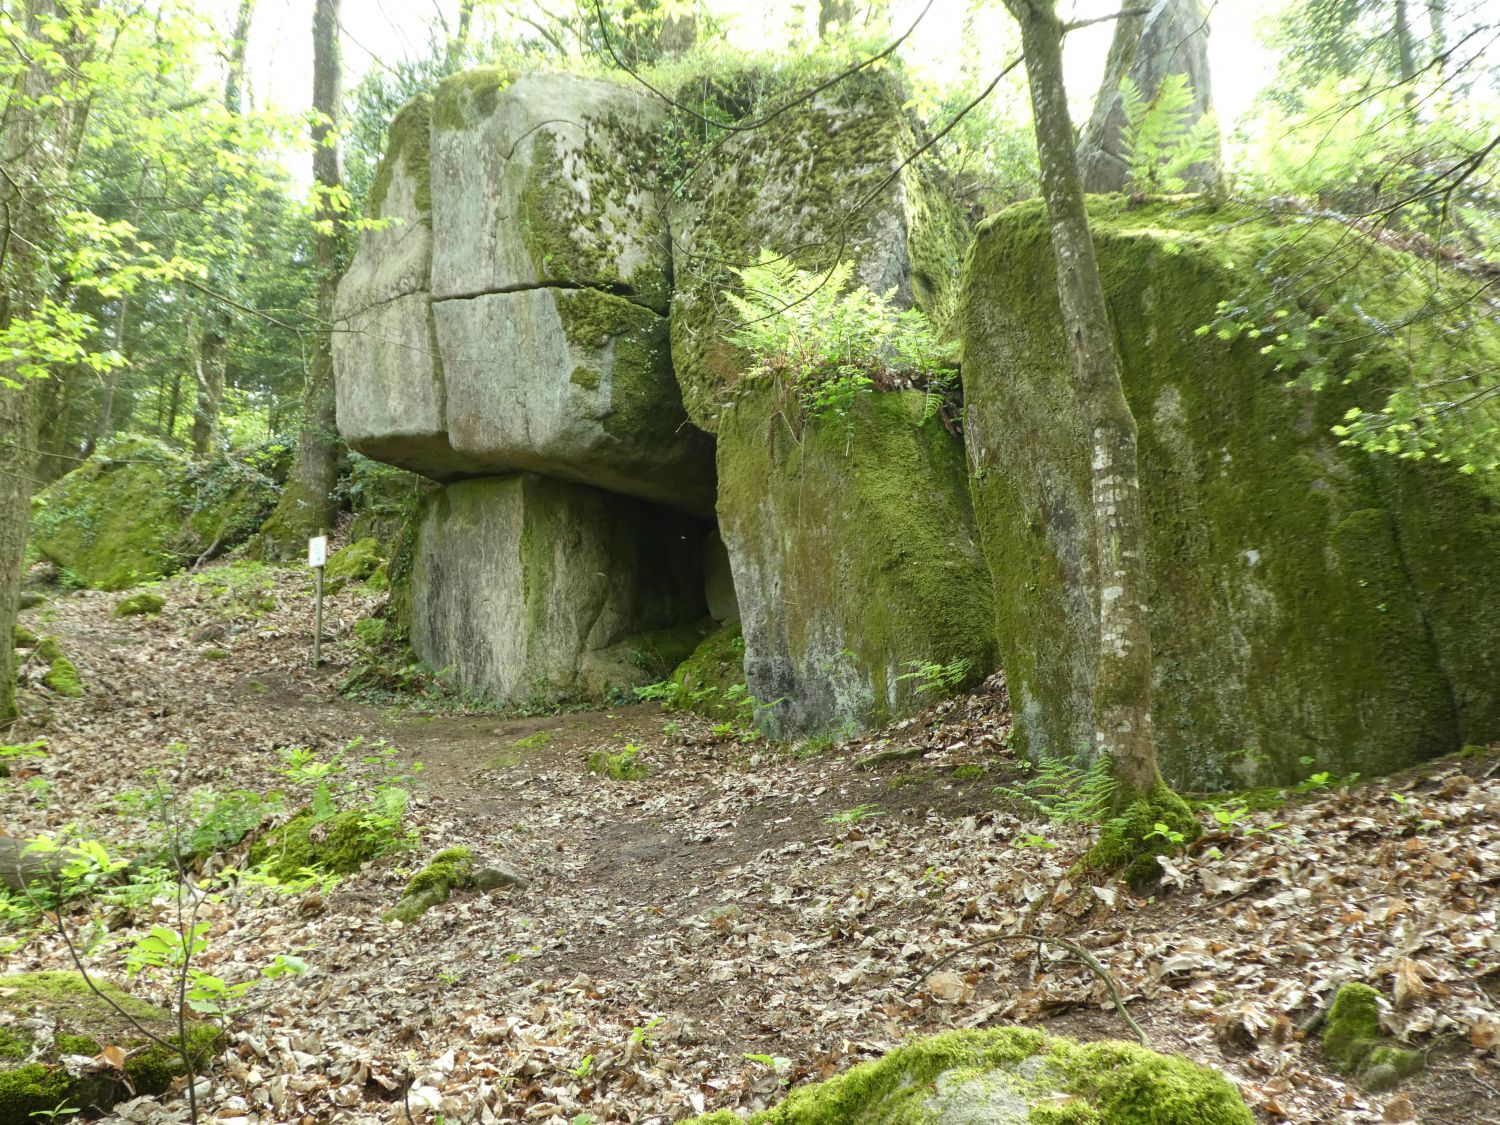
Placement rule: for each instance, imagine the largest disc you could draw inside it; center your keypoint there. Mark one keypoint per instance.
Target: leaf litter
(748, 917)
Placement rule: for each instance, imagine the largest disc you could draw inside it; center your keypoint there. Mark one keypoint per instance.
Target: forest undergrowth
(729, 918)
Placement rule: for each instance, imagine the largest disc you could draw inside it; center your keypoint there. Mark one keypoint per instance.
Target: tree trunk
(306, 504)
(1437, 19)
(211, 356)
(458, 43)
(105, 427)
(1171, 38)
(32, 135)
(1122, 675)
(834, 12)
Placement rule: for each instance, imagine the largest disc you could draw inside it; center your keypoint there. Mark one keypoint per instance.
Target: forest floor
(746, 917)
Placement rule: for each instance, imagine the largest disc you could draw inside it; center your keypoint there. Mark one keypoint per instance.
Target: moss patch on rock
(32, 1078)
(1013, 1075)
(711, 682)
(139, 510)
(1307, 600)
(356, 562)
(1354, 1044)
(62, 676)
(339, 845)
(146, 603)
(788, 188)
(450, 870)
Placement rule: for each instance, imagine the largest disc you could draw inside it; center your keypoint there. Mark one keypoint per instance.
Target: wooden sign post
(317, 558)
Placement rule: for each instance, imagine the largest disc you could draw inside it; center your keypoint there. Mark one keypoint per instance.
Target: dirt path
(739, 901)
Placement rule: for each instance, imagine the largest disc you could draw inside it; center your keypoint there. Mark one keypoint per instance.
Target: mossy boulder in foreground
(1355, 1045)
(1011, 1075)
(1313, 607)
(854, 552)
(46, 1018)
(139, 510)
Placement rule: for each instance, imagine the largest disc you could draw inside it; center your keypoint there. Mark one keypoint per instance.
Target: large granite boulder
(139, 510)
(1312, 607)
(532, 590)
(1011, 1076)
(854, 553)
(512, 319)
(817, 183)
(388, 375)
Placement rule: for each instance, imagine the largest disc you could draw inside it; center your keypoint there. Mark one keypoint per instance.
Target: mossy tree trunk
(1122, 679)
(306, 504)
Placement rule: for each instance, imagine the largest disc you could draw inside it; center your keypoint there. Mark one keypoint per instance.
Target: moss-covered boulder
(522, 588)
(815, 183)
(61, 676)
(338, 845)
(143, 603)
(139, 510)
(53, 1029)
(1308, 602)
(1011, 1076)
(711, 682)
(518, 322)
(854, 552)
(392, 403)
(452, 869)
(1356, 1046)
(355, 562)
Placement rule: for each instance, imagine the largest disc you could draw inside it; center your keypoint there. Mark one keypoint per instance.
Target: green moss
(469, 96)
(22, 637)
(971, 772)
(147, 603)
(340, 845)
(583, 216)
(622, 766)
(585, 377)
(711, 681)
(1128, 844)
(407, 144)
(1307, 600)
(139, 510)
(786, 188)
(354, 563)
(62, 674)
(450, 870)
(87, 1022)
(961, 1072)
(854, 553)
(1353, 1042)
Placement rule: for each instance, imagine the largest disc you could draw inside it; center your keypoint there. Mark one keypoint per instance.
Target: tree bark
(1122, 675)
(834, 12)
(1171, 38)
(306, 504)
(33, 136)
(211, 356)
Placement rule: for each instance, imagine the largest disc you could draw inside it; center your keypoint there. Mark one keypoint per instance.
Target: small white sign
(317, 550)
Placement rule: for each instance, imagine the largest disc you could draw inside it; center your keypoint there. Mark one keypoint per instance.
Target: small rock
(497, 875)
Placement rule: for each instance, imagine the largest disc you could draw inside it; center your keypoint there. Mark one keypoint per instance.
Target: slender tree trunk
(1406, 51)
(211, 356)
(1437, 20)
(1122, 676)
(31, 137)
(834, 12)
(458, 43)
(105, 426)
(174, 403)
(306, 503)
